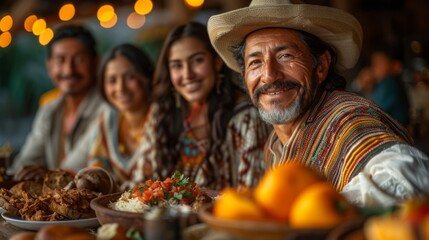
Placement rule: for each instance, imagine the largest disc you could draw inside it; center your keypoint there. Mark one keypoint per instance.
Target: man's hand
(30, 172)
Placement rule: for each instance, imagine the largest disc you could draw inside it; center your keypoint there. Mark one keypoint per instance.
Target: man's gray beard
(279, 115)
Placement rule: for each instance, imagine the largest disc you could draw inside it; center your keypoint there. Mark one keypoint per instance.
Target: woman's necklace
(194, 141)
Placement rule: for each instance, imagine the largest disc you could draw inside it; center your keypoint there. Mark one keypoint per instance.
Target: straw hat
(333, 26)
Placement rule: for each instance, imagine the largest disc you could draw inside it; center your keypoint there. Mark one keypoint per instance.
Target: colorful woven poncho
(339, 136)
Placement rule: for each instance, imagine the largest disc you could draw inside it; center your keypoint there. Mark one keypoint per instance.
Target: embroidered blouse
(239, 164)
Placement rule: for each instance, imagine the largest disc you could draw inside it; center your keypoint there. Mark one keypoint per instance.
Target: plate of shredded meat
(31, 205)
(36, 225)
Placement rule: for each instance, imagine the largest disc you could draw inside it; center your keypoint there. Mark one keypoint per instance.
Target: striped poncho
(338, 137)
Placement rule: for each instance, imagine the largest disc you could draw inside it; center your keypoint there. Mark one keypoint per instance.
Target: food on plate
(55, 179)
(24, 236)
(280, 186)
(95, 179)
(10, 202)
(320, 206)
(63, 232)
(238, 204)
(48, 202)
(56, 232)
(73, 203)
(111, 231)
(27, 190)
(173, 191)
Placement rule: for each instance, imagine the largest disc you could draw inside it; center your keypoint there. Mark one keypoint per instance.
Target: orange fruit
(234, 204)
(415, 209)
(320, 206)
(424, 227)
(388, 228)
(280, 186)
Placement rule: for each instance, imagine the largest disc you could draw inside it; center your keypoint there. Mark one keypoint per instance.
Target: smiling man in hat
(290, 55)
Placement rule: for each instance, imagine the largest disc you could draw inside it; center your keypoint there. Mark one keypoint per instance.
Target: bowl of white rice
(130, 215)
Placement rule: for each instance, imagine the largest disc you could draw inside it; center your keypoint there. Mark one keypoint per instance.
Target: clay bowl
(107, 215)
(134, 220)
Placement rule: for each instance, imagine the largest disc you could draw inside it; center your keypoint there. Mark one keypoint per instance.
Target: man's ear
(323, 65)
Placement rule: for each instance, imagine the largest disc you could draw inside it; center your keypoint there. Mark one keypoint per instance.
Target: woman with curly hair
(204, 125)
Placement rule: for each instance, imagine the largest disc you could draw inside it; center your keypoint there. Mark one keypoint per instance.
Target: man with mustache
(290, 55)
(59, 125)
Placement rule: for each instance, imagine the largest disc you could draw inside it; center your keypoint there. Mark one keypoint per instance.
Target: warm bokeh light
(67, 12)
(135, 21)
(28, 23)
(38, 26)
(194, 3)
(5, 39)
(106, 13)
(416, 47)
(143, 7)
(110, 23)
(6, 23)
(46, 36)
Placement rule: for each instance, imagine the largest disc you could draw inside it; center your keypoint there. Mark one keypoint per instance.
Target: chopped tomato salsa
(175, 190)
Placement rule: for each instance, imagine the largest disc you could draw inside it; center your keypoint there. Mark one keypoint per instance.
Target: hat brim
(336, 27)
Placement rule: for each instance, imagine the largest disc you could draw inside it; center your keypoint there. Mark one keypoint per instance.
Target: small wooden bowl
(107, 215)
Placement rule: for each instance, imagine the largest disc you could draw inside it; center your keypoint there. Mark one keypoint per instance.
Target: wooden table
(7, 230)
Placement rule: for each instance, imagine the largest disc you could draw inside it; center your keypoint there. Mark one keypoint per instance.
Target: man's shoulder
(51, 107)
(347, 106)
(348, 102)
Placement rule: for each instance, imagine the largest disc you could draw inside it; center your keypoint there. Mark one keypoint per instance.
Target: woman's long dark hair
(220, 102)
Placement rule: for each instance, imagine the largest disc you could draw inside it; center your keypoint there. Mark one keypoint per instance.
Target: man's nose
(271, 71)
(68, 67)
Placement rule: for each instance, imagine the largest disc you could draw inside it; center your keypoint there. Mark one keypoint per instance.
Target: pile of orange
(292, 194)
(410, 221)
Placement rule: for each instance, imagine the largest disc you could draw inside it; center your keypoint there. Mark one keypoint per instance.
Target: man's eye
(285, 55)
(254, 62)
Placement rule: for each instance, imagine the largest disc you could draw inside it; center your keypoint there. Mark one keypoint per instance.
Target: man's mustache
(277, 85)
(70, 77)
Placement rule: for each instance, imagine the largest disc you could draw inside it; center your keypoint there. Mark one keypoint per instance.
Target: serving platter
(36, 225)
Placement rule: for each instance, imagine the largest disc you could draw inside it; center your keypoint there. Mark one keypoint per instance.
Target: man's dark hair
(316, 47)
(74, 31)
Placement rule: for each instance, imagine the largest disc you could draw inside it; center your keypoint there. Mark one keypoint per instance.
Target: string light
(143, 7)
(111, 22)
(67, 12)
(194, 3)
(106, 13)
(46, 36)
(28, 23)
(5, 39)
(136, 21)
(6, 23)
(38, 26)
